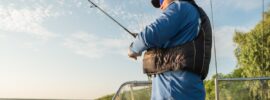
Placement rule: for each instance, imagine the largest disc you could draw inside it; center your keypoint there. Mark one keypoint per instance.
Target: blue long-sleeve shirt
(178, 24)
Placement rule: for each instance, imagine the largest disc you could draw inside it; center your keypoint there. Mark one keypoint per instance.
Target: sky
(66, 49)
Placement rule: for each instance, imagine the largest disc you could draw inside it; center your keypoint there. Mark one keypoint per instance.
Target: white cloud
(28, 16)
(25, 20)
(2, 36)
(224, 40)
(93, 46)
(245, 5)
(203, 3)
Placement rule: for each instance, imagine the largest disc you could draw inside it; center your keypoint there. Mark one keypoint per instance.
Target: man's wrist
(138, 46)
(137, 50)
(132, 49)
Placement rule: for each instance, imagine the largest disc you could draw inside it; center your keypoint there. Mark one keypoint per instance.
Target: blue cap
(160, 2)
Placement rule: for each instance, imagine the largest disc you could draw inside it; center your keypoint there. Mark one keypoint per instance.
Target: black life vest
(192, 56)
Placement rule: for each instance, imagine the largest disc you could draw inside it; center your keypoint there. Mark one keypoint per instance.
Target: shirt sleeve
(160, 31)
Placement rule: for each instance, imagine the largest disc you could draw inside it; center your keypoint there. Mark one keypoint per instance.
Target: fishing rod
(95, 5)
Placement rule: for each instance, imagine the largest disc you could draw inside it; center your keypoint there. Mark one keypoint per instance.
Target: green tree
(210, 88)
(253, 55)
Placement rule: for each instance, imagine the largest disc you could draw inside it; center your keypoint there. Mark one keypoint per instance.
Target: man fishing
(178, 44)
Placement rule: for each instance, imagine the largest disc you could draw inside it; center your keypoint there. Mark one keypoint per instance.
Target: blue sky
(64, 49)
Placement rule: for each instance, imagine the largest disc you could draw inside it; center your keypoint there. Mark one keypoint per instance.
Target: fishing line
(214, 36)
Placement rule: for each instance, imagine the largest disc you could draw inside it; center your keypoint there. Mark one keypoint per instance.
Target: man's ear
(155, 3)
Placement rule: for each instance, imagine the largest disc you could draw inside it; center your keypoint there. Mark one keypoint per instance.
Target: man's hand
(133, 54)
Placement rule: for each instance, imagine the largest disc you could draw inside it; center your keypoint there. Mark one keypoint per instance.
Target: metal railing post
(131, 92)
(131, 83)
(216, 89)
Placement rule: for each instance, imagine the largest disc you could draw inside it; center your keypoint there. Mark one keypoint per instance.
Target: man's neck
(165, 4)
